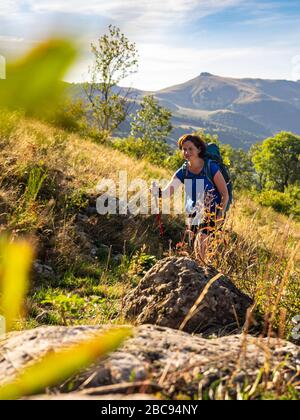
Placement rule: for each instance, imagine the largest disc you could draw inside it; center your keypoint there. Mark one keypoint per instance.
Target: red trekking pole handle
(158, 216)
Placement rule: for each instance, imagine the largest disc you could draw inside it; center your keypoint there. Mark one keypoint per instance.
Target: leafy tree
(241, 168)
(277, 161)
(255, 154)
(152, 125)
(115, 59)
(207, 137)
(152, 121)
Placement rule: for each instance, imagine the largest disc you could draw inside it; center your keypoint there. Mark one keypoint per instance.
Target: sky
(176, 39)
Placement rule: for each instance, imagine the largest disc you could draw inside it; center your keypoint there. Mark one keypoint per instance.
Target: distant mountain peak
(205, 74)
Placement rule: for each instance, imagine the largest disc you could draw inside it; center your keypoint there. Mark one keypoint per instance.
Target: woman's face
(190, 151)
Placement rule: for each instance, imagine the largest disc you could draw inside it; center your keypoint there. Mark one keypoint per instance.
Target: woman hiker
(213, 198)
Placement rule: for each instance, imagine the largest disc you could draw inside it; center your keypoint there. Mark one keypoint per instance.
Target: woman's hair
(196, 140)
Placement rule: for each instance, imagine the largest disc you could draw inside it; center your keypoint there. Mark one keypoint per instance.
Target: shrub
(155, 151)
(174, 161)
(98, 136)
(71, 115)
(286, 202)
(141, 263)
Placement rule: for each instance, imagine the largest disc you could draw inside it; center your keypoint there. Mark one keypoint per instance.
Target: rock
(170, 289)
(43, 270)
(157, 359)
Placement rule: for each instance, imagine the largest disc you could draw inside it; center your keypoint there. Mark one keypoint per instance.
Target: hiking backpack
(213, 154)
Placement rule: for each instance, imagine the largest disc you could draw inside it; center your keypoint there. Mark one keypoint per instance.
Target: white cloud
(113, 7)
(168, 54)
(163, 66)
(9, 7)
(151, 10)
(140, 20)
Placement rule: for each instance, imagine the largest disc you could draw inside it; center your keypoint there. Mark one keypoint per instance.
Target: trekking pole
(158, 216)
(188, 230)
(190, 239)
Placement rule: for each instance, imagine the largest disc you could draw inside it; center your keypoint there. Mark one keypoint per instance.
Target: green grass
(92, 298)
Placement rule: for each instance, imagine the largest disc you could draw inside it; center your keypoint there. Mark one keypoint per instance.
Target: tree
(207, 137)
(277, 161)
(115, 59)
(152, 125)
(240, 166)
(152, 121)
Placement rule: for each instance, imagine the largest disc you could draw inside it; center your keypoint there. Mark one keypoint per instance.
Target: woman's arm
(170, 188)
(223, 190)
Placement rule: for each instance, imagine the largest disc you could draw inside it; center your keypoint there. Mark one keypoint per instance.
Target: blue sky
(176, 39)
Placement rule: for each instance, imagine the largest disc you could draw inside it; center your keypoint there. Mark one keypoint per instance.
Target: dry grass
(73, 166)
(258, 250)
(46, 179)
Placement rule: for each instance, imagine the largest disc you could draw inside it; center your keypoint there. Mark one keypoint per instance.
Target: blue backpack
(213, 154)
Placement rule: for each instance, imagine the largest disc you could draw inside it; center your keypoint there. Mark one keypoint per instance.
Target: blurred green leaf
(15, 262)
(57, 367)
(33, 83)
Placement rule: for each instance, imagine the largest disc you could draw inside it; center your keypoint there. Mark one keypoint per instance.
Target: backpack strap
(207, 170)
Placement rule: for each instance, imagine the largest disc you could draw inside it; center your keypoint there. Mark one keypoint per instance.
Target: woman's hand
(155, 191)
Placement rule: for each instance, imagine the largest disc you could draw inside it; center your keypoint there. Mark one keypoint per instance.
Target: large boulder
(168, 292)
(162, 362)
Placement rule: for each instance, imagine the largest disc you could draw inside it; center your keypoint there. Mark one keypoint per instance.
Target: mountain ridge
(241, 111)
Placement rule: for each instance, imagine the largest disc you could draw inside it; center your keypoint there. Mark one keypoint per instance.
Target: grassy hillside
(48, 179)
(85, 263)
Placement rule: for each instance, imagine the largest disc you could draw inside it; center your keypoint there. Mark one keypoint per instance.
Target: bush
(141, 263)
(286, 202)
(71, 116)
(174, 161)
(130, 146)
(155, 151)
(98, 136)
